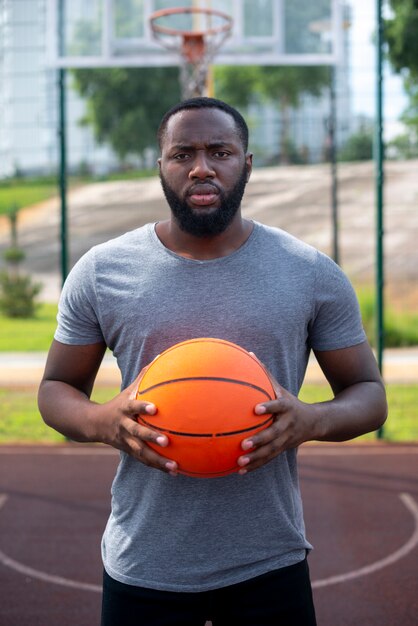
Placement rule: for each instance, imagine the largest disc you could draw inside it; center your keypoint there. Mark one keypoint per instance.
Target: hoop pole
(62, 136)
(333, 161)
(379, 158)
(63, 173)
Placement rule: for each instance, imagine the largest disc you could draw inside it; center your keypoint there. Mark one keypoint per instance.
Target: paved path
(26, 369)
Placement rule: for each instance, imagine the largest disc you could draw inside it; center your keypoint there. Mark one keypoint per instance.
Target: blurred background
(83, 87)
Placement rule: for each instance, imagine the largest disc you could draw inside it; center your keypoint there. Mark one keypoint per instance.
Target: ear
(159, 163)
(249, 163)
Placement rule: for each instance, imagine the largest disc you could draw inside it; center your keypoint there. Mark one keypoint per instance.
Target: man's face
(203, 170)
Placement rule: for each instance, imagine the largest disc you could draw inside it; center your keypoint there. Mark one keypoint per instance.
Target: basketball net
(196, 50)
(195, 60)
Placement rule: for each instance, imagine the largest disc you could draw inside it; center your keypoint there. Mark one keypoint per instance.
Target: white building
(28, 99)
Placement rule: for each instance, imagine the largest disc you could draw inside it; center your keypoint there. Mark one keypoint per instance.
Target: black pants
(280, 598)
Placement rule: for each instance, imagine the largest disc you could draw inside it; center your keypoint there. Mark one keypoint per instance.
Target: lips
(203, 195)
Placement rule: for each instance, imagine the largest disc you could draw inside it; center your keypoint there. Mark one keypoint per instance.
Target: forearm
(356, 410)
(70, 411)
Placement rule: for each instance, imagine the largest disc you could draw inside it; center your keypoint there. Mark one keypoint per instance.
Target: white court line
(47, 578)
(34, 573)
(28, 451)
(410, 545)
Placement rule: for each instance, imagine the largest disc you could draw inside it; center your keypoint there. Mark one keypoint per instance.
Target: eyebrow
(212, 145)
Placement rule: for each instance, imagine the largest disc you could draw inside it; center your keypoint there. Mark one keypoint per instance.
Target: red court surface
(361, 510)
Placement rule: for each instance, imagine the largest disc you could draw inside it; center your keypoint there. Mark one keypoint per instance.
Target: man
(180, 550)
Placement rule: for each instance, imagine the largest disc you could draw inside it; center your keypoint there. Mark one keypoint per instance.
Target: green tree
(404, 146)
(410, 115)
(358, 147)
(400, 31)
(281, 85)
(125, 105)
(17, 292)
(401, 35)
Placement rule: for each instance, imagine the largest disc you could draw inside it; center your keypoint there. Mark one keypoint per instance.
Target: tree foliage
(401, 35)
(358, 147)
(410, 115)
(280, 85)
(17, 292)
(285, 84)
(125, 105)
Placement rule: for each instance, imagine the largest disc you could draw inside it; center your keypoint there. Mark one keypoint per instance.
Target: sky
(363, 63)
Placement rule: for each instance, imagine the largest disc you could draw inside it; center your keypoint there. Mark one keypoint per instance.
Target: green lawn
(24, 192)
(402, 422)
(24, 195)
(20, 421)
(31, 335)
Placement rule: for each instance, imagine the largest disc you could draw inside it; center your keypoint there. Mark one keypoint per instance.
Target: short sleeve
(336, 321)
(78, 316)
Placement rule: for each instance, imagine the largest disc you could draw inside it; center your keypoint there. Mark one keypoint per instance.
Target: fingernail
(260, 409)
(151, 409)
(243, 460)
(246, 445)
(162, 441)
(171, 466)
(242, 472)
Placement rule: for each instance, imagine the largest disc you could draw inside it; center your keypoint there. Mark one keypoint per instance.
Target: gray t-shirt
(274, 296)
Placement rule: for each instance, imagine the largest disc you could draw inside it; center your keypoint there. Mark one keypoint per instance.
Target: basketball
(205, 391)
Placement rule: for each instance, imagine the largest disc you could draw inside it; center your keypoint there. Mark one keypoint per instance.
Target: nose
(201, 167)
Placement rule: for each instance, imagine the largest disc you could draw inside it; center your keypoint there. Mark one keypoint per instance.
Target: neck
(204, 248)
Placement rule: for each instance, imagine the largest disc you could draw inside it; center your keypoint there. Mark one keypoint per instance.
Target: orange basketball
(205, 391)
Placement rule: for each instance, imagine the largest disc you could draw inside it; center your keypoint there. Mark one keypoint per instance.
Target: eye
(181, 156)
(221, 154)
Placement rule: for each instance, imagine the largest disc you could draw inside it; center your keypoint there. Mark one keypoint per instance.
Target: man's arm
(65, 405)
(359, 406)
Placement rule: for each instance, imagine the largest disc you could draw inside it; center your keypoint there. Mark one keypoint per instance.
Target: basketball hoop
(197, 36)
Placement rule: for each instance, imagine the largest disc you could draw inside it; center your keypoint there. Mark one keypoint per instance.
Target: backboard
(115, 33)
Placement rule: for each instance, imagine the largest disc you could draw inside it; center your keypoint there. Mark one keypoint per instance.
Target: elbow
(382, 408)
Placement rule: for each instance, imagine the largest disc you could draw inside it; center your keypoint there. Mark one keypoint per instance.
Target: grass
(24, 192)
(28, 335)
(401, 328)
(20, 421)
(24, 195)
(402, 422)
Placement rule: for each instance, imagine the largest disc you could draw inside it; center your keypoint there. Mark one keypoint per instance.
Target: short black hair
(205, 103)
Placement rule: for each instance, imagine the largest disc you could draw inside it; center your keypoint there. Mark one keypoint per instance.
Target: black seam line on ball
(185, 434)
(200, 378)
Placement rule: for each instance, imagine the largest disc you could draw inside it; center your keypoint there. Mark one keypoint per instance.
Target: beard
(199, 223)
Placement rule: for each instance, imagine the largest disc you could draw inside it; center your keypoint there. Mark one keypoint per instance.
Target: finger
(137, 440)
(145, 433)
(262, 455)
(149, 457)
(274, 407)
(140, 407)
(260, 439)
